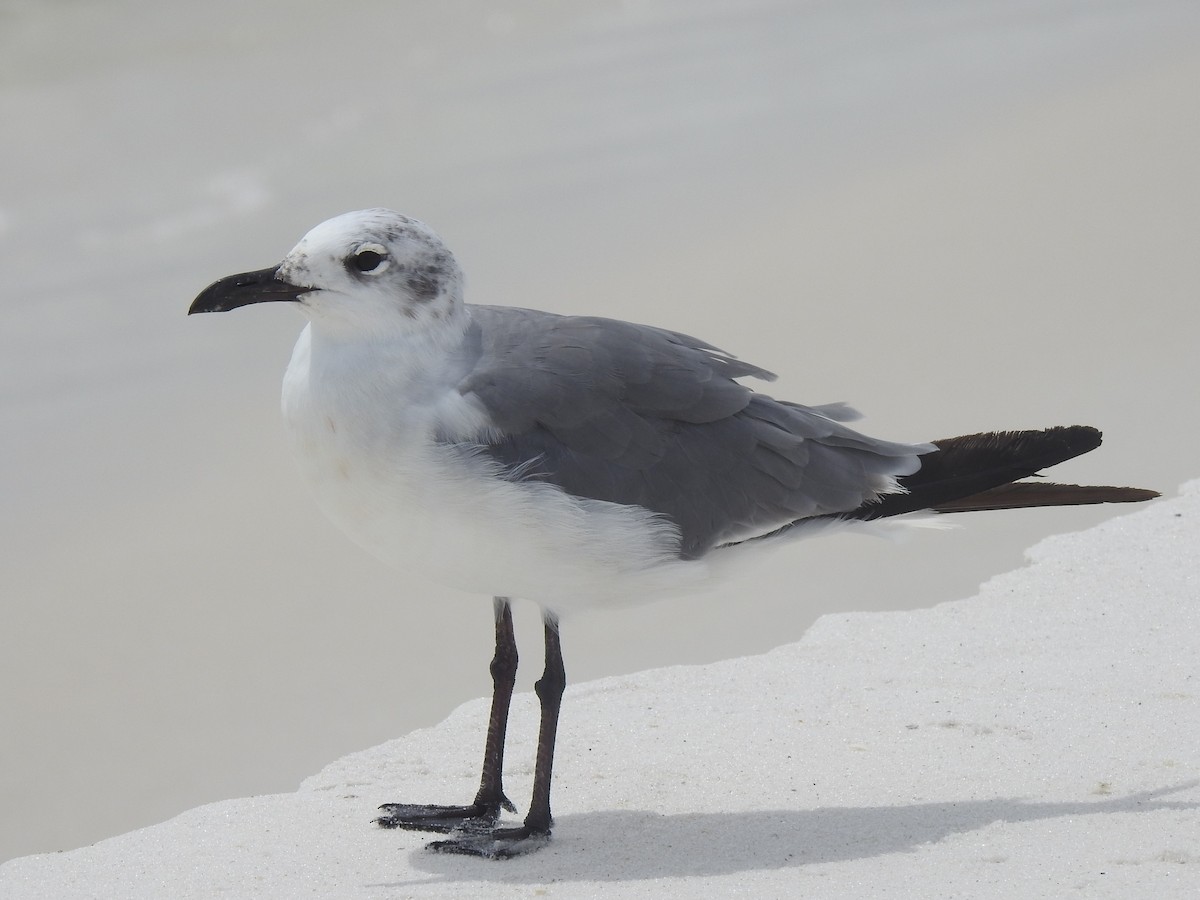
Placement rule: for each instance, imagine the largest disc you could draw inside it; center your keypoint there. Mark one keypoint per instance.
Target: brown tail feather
(982, 471)
(1022, 494)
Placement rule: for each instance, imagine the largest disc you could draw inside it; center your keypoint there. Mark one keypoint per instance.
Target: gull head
(370, 272)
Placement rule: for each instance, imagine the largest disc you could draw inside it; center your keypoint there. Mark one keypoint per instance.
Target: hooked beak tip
(233, 291)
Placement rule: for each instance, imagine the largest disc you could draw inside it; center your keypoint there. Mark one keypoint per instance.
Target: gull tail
(982, 471)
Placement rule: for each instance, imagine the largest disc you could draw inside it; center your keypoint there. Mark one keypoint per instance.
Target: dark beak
(242, 290)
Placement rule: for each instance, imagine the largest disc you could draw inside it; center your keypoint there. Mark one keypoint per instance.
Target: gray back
(632, 414)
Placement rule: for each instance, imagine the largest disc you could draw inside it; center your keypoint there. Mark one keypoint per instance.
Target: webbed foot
(494, 843)
(442, 819)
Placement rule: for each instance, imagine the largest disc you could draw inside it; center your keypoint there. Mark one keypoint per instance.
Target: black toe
(438, 819)
(497, 843)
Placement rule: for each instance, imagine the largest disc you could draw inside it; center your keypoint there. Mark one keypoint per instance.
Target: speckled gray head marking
(375, 269)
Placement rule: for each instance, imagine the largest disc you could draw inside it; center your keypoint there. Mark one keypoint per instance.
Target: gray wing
(637, 415)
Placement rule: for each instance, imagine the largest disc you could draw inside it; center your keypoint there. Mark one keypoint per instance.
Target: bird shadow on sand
(634, 845)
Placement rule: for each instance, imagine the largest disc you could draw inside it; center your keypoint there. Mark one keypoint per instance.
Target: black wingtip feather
(977, 471)
(998, 454)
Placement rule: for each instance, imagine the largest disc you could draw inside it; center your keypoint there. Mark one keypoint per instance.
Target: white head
(370, 272)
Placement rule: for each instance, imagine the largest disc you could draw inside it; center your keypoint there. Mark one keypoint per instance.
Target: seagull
(572, 461)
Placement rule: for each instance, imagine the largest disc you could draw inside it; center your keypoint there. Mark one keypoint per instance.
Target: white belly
(436, 510)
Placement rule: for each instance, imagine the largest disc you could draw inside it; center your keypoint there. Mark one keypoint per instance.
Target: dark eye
(369, 258)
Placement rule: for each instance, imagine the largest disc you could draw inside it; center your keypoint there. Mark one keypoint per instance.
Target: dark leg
(485, 809)
(504, 676)
(503, 843)
(549, 690)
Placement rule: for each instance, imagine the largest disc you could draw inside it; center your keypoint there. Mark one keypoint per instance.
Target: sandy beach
(1036, 740)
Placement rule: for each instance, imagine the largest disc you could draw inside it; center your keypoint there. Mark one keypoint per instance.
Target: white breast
(438, 510)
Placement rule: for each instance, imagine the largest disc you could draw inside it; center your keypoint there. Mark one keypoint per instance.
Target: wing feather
(631, 414)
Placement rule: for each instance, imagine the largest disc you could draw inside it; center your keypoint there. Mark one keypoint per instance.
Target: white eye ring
(368, 259)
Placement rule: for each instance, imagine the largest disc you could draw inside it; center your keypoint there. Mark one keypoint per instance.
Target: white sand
(967, 215)
(1041, 739)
